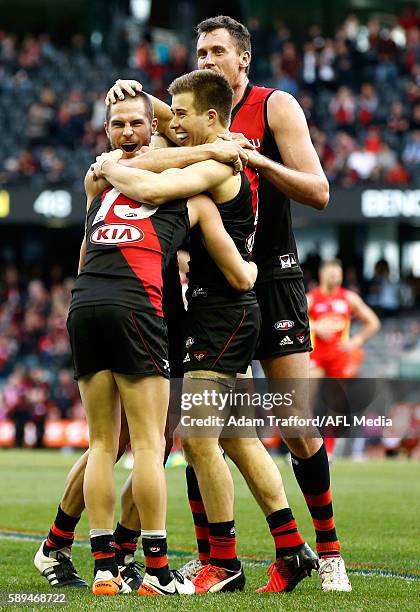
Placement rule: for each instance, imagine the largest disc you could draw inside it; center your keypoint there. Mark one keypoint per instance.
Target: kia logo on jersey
(284, 324)
(116, 233)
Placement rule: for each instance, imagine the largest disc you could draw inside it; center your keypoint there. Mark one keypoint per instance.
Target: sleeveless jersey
(128, 248)
(207, 284)
(333, 312)
(275, 251)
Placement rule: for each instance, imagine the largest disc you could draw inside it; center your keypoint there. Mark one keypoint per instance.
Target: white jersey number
(123, 211)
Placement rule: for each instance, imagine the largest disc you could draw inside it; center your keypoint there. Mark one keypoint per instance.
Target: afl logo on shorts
(116, 233)
(284, 324)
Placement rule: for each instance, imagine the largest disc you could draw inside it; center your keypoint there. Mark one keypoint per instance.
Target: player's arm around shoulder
(202, 211)
(93, 186)
(155, 189)
(190, 181)
(301, 177)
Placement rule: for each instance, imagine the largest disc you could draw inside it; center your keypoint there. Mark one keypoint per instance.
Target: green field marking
(359, 570)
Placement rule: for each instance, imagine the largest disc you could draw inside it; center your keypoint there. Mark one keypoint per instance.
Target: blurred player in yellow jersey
(331, 309)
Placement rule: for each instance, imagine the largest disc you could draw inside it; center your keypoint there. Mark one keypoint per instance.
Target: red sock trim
(324, 525)
(327, 547)
(67, 535)
(103, 555)
(222, 548)
(126, 546)
(202, 533)
(156, 562)
(319, 500)
(197, 507)
(286, 527)
(288, 541)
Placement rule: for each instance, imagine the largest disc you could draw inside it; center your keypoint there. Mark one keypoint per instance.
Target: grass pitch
(377, 515)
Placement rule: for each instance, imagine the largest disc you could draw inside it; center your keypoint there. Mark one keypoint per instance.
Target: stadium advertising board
(41, 207)
(63, 206)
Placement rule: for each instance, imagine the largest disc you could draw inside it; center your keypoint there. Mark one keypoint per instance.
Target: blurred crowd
(359, 89)
(36, 377)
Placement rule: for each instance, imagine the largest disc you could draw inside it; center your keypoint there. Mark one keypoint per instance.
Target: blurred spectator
(367, 104)
(326, 62)
(397, 122)
(411, 152)
(362, 162)
(64, 394)
(373, 141)
(397, 175)
(309, 65)
(342, 109)
(383, 293)
(26, 165)
(415, 118)
(386, 157)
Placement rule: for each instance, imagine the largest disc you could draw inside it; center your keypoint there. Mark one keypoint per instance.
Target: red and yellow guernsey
(332, 312)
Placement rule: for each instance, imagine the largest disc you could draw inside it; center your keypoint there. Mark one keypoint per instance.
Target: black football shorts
(119, 339)
(284, 314)
(221, 339)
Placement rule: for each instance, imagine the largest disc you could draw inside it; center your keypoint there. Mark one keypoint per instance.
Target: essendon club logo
(284, 324)
(199, 355)
(288, 261)
(116, 233)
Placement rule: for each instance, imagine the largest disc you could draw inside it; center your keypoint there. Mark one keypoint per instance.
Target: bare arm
(158, 160)
(92, 188)
(301, 177)
(363, 313)
(240, 274)
(155, 189)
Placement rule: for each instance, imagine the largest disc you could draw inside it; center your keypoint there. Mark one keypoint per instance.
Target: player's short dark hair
(210, 90)
(237, 31)
(147, 103)
(331, 262)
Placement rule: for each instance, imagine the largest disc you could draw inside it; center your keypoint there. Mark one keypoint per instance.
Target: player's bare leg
(100, 398)
(61, 571)
(259, 470)
(294, 559)
(146, 401)
(311, 468)
(214, 477)
(223, 572)
(53, 558)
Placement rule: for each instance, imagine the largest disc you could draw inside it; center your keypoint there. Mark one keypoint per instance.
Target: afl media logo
(116, 233)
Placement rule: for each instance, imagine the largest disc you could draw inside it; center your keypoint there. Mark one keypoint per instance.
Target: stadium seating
(367, 75)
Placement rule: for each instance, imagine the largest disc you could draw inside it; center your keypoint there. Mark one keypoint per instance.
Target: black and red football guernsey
(239, 216)
(128, 248)
(275, 251)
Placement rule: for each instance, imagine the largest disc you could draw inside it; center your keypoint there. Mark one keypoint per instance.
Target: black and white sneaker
(131, 575)
(177, 586)
(58, 568)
